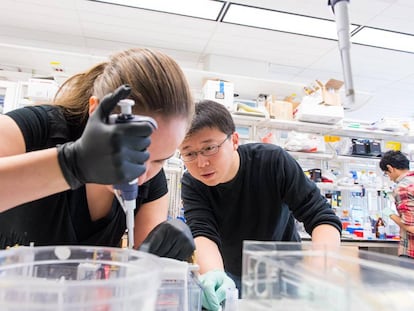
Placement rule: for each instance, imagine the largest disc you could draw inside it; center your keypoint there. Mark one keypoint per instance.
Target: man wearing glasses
(396, 166)
(235, 192)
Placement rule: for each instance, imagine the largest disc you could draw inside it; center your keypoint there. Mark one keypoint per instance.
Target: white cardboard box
(312, 110)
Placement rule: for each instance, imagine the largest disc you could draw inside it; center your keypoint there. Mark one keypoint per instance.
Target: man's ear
(235, 140)
(93, 103)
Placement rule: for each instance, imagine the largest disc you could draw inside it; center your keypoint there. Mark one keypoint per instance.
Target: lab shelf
(322, 129)
(246, 87)
(333, 159)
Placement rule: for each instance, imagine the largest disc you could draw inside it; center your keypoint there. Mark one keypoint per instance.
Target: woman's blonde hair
(158, 85)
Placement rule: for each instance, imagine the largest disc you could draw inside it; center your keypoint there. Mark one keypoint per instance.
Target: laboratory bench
(387, 246)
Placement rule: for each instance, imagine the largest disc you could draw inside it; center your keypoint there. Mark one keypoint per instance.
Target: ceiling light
(384, 39)
(207, 9)
(282, 21)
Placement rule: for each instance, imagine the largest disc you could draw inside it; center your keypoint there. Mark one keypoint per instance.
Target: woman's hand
(106, 153)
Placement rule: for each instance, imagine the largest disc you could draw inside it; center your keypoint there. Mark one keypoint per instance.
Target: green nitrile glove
(388, 211)
(214, 284)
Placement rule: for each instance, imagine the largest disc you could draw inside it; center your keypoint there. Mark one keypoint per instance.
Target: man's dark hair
(211, 114)
(396, 159)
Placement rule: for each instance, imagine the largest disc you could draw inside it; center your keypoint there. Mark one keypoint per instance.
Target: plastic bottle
(368, 230)
(380, 229)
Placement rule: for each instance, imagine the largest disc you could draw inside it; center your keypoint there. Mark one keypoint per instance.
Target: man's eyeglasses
(206, 151)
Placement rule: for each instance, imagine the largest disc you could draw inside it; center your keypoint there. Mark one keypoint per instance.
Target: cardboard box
(220, 91)
(292, 99)
(329, 90)
(281, 110)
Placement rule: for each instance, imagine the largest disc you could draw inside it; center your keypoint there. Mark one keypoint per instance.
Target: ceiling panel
(79, 33)
(275, 47)
(41, 15)
(309, 7)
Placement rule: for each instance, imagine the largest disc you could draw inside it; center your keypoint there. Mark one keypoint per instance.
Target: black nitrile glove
(106, 153)
(172, 239)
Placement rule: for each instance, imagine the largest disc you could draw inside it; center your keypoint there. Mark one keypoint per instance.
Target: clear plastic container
(303, 276)
(78, 278)
(180, 289)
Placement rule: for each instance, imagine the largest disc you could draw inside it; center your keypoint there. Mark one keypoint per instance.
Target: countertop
(388, 246)
(377, 242)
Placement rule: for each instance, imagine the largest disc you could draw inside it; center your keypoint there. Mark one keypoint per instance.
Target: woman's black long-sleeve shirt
(63, 218)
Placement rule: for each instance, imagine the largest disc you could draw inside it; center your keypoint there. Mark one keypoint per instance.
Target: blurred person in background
(396, 166)
(58, 162)
(234, 192)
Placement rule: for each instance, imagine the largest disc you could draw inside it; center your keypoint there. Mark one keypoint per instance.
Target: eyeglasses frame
(203, 150)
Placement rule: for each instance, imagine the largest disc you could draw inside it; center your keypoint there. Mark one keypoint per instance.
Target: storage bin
(304, 276)
(78, 278)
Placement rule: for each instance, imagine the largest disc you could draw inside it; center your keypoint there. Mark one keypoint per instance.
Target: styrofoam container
(78, 278)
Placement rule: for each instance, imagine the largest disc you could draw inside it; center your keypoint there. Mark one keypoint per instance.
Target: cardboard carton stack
(322, 104)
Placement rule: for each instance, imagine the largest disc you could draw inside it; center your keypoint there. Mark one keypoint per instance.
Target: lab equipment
(180, 289)
(174, 168)
(380, 229)
(305, 276)
(95, 157)
(129, 191)
(231, 302)
(340, 9)
(78, 278)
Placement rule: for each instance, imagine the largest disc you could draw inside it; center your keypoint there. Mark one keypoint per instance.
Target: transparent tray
(293, 276)
(75, 278)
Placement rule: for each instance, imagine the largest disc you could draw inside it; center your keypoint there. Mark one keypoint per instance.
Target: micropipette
(129, 191)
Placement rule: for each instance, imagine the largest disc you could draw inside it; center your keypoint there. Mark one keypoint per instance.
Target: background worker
(58, 162)
(397, 167)
(235, 192)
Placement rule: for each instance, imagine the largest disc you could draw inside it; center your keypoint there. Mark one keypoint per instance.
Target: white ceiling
(79, 33)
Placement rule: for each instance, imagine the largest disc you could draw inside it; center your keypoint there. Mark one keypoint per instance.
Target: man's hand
(106, 153)
(214, 284)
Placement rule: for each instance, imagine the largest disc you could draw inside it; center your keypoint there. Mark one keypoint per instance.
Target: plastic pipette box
(180, 290)
(302, 276)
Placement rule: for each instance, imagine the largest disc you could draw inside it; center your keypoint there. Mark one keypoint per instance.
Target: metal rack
(174, 169)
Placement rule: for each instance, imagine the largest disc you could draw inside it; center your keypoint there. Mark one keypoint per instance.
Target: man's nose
(202, 160)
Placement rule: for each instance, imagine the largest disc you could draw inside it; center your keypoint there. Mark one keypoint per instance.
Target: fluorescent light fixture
(282, 21)
(384, 39)
(206, 9)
